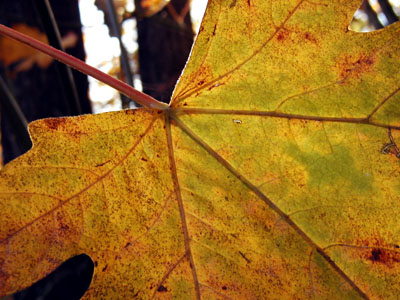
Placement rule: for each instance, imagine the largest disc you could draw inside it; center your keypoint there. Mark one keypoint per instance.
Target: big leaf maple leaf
(274, 173)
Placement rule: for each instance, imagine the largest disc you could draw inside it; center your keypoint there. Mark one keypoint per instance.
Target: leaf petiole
(129, 91)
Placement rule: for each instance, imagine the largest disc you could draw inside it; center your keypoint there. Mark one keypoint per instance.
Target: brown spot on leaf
(64, 227)
(384, 256)
(377, 252)
(282, 35)
(54, 123)
(355, 67)
(162, 288)
(202, 75)
(309, 37)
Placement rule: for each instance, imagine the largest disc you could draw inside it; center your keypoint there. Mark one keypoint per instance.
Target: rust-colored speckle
(384, 256)
(54, 123)
(202, 75)
(197, 79)
(64, 227)
(355, 67)
(309, 37)
(377, 252)
(282, 35)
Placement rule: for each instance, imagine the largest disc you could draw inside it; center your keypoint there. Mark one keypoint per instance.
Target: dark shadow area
(68, 282)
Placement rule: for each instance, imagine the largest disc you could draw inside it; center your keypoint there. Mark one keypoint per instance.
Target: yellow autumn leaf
(274, 174)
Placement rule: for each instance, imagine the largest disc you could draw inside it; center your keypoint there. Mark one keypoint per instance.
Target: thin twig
(143, 99)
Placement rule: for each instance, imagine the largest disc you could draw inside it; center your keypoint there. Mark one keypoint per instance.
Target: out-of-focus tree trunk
(165, 40)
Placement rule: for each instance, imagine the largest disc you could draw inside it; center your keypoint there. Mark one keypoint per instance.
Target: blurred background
(142, 42)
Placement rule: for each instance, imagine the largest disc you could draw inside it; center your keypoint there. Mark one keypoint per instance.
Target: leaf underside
(274, 174)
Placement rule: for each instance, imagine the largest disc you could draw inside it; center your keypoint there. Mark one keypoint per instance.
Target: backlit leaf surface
(274, 174)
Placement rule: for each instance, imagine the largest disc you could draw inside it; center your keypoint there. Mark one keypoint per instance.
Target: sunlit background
(375, 14)
(103, 51)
